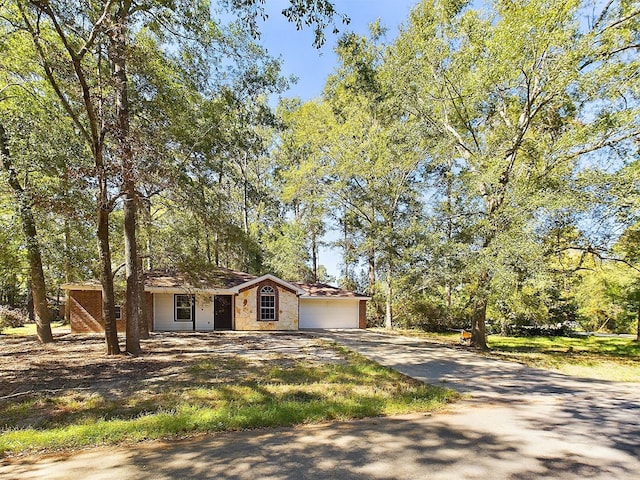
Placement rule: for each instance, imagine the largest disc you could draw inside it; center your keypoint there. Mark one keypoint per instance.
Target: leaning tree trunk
(36, 272)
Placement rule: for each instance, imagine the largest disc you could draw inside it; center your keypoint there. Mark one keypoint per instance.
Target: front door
(204, 313)
(222, 312)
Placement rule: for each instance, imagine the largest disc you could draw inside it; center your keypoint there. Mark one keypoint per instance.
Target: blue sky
(312, 66)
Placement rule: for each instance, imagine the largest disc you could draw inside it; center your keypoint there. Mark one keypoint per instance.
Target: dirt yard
(70, 394)
(77, 362)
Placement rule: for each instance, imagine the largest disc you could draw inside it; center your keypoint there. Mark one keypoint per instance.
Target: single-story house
(224, 299)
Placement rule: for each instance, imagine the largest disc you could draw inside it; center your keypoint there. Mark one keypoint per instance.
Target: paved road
(518, 423)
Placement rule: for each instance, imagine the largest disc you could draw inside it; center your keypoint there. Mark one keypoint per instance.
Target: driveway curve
(515, 423)
(560, 425)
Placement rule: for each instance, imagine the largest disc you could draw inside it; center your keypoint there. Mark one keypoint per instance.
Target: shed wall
(85, 314)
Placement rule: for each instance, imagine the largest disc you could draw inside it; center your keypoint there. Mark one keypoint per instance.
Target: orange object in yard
(465, 338)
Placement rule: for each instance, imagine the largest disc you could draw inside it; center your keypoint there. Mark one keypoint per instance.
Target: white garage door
(327, 313)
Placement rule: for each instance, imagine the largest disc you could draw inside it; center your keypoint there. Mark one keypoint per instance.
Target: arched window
(267, 302)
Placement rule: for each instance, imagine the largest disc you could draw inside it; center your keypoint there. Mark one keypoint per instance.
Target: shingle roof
(215, 278)
(324, 290)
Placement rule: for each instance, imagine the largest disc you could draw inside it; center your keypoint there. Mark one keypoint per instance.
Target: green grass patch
(260, 394)
(445, 338)
(613, 347)
(30, 329)
(604, 358)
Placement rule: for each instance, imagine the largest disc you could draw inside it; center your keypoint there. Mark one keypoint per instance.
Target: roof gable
(290, 286)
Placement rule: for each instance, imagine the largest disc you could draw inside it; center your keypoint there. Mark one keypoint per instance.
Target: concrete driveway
(517, 423)
(559, 426)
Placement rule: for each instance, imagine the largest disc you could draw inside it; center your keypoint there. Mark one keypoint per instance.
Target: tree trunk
(31, 314)
(131, 267)
(117, 55)
(106, 275)
(449, 219)
(478, 331)
(388, 318)
(447, 297)
(145, 216)
(36, 272)
(245, 195)
(67, 308)
(142, 306)
(638, 327)
(346, 254)
(146, 204)
(207, 246)
(216, 248)
(217, 242)
(503, 328)
(371, 264)
(314, 256)
(478, 320)
(67, 270)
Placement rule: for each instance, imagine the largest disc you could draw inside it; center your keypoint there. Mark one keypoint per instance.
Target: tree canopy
(476, 169)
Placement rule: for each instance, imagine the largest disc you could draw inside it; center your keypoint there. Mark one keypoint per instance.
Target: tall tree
(301, 169)
(352, 149)
(69, 52)
(36, 272)
(507, 92)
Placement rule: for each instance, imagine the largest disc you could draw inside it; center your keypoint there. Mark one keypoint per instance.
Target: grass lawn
(30, 329)
(191, 389)
(604, 358)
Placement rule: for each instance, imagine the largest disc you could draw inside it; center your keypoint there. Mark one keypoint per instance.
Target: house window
(267, 304)
(118, 312)
(183, 311)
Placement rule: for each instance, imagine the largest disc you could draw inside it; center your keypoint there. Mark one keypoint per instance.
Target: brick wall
(148, 298)
(86, 312)
(362, 314)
